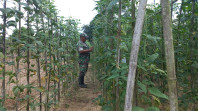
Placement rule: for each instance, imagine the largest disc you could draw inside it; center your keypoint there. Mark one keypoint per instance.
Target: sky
(80, 9)
(77, 9)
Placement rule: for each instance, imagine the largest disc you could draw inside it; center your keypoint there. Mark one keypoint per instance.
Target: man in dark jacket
(84, 57)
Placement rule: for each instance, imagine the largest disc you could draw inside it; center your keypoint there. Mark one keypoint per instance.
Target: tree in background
(169, 53)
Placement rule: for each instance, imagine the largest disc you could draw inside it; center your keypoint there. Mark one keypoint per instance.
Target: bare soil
(82, 99)
(10, 102)
(77, 99)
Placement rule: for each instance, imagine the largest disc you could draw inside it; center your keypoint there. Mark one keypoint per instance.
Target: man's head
(83, 37)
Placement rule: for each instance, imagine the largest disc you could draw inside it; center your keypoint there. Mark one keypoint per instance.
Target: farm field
(134, 55)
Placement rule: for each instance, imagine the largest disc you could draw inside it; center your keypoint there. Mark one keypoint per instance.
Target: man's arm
(88, 50)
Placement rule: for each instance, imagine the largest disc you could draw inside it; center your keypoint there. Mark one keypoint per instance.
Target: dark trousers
(83, 70)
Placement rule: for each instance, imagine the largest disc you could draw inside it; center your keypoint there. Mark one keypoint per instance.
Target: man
(84, 56)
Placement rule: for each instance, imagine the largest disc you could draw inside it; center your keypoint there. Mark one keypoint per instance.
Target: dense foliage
(151, 92)
(44, 45)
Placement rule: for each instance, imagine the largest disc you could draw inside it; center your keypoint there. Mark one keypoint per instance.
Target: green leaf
(106, 108)
(88, 43)
(136, 108)
(161, 71)
(24, 4)
(39, 43)
(27, 8)
(124, 78)
(16, 91)
(10, 63)
(195, 64)
(7, 10)
(11, 23)
(152, 109)
(60, 49)
(18, 58)
(19, 13)
(124, 47)
(142, 67)
(152, 57)
(27, 97)
(142, 86)
(103, 77)
(148, 82)
(2, 78)
(152, 38)
(2, 10)
(2, 109)
(111, 4)
(1, 55)
(113, 76)
(36, 3)
(157, 92)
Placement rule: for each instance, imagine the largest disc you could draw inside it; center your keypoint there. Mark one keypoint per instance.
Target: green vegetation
(151, 88)
(46, 46)
(47, 39)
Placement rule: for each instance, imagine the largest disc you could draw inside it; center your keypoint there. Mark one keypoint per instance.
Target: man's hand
(87, 50)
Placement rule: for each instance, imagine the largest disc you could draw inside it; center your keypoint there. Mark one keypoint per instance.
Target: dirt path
(81, 99)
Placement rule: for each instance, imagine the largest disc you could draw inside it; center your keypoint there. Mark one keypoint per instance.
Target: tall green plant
(4, 52)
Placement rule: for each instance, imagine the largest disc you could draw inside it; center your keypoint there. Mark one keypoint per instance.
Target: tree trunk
(118, 56)
(133, 15)
(171, 9)
(38, 66)
(18, 54)
(133, 27)
(60, 62)
(4, 53)
(49, 74)
(45, 54)
(28, 59)
(178, 36)
(134, 55)
(169, 53)
(191, 54)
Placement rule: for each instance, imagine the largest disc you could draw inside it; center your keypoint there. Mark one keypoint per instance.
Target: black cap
(83, 35)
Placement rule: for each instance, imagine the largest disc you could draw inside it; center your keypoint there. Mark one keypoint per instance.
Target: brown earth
(77, 99)
(82, 99)
(10, 103)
